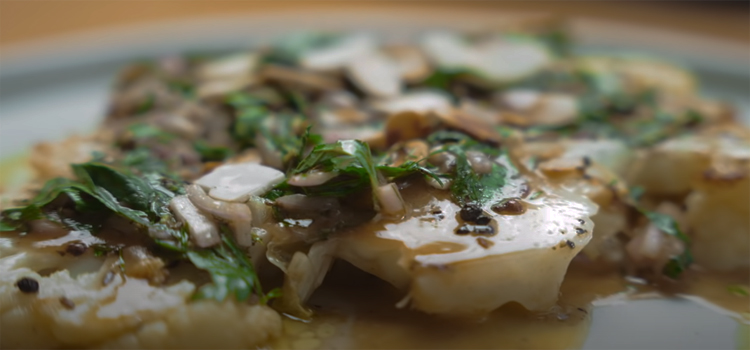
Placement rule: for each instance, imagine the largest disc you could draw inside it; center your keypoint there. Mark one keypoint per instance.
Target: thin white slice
(542, 108)
(417, 101)
(229, 67)
(376, 75)
(505, 60)
(448, 49)
(236, 182)
(203, 230)
(338, 54)
(497, 59)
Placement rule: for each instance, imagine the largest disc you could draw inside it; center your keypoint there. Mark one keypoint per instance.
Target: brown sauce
(355, 310)
(717, 288)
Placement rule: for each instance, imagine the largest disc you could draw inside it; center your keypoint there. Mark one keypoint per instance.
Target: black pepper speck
(580, 231)
(27, 285)
(570, 244)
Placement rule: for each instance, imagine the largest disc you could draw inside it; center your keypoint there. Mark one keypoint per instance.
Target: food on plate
(309, 193)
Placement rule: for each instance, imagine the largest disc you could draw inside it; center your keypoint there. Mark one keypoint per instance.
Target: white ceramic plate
(51, 89)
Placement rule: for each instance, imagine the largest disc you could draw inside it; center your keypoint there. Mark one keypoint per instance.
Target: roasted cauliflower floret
(94, 308)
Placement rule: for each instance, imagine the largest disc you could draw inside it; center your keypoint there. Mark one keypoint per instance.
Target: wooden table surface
(23, 21)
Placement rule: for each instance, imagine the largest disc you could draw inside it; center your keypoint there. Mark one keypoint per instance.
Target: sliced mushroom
(238, 215)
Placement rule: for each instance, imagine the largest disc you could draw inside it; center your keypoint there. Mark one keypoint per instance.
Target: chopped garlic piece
(236, 182)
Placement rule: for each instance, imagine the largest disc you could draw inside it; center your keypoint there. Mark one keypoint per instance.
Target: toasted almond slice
(300, 78)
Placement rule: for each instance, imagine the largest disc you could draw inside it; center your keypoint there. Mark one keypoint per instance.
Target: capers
(463, 230)
(483, 220)
(470, 212)
(75, 248)
(509, 206)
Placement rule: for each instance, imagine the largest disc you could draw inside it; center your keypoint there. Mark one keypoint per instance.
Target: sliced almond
(376, 75)
(407, 126)
(503, 60)
(418, 101)
(338, 54)
(476, 127)
(411, 62)
(229, 67)
(300, 78)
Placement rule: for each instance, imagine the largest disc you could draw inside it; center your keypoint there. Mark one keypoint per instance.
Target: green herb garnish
(142, 200)
(677, 264)
(468, 186)
(738, 290)
(231, 272)
(211, 153)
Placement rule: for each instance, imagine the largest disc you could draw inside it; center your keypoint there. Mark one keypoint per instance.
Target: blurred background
(58, 58)
(22, 21)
